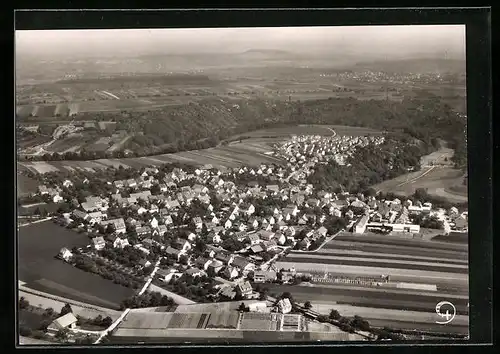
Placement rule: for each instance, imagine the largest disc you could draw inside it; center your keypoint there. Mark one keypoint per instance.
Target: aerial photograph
(241, 185)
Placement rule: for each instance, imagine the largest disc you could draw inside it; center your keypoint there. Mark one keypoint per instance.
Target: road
(126, 311)
(416, 178)
(328, 239)
(35, 222)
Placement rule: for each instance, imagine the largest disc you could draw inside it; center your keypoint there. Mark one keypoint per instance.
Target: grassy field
(437, 181)
(26, 185)
(38, 244)
(248, 152)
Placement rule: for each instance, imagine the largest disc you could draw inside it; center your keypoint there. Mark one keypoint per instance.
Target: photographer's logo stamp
(447, 311)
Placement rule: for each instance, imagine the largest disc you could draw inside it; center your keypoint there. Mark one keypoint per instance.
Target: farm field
(424, 302)
(414, 261)
(38, 244)
(408, 320)
(236, 154)
(437, 181)
(26, 185)
(44, 300)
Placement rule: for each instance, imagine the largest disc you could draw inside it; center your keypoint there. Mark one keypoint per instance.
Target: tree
(107, 321)
(49, 312)
(308, 305)
(62, 334)
(84, 341)
(359, 323)
(66, 309)
(334, 315)
(25, 331)
(23, 303)
(242, 307)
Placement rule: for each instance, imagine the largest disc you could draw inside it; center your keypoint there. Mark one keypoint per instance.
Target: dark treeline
(369, 165)
(206, 123)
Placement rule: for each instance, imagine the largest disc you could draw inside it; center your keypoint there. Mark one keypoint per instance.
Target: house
(144, 263)
(154, 223)
(224, 257)
(167, 275)
(273, 188)
(209, 225)
(120, 242)
(148, 243)
(172, 204)
(281, 225)
(202, 262)
(216, 266)
(256, 249)
(270, 245)
(227, 292)
(197, 222)
(253, 239)
(231, 272)
(65, 254)
(461, 223)
(242, 264)
(284, 305)
(304, 243)
(218, 229)
(254, 223)
(173, 253)
(281, 239)
(213, 237)
(141, 231)
(312, 202)
(141, 210)
(79, 215)
(89, 207)
(154, 208)
(162, 229)
(349, 214)
(244, 289)
(191, 236)
(322, 231)
(266, 235)
(360, 226)
(182, 245)
(194, 272)
(167, 220)
(263, 276)
(57, 198)
(67, 321)
(210, 252)
(228, 224)
(99, 243)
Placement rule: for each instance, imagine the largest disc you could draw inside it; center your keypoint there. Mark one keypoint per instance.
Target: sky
(362, 40)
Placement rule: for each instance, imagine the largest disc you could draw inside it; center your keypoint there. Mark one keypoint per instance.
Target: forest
(205, 124)
(370, 165)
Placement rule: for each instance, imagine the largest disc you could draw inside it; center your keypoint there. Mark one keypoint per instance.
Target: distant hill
(420, 66)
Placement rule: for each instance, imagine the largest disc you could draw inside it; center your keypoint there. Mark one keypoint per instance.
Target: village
(228, 228)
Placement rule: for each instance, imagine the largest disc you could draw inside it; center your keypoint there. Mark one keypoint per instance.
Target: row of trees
(106, 271)
(147, 299)
(195, 288)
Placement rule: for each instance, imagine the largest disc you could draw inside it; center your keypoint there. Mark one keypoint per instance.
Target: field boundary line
(65, 300)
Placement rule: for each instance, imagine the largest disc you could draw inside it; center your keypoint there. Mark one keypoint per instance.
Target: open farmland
(437, 181)
(248, 152)
(38, 244)
(26, 185)
(414, 267)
